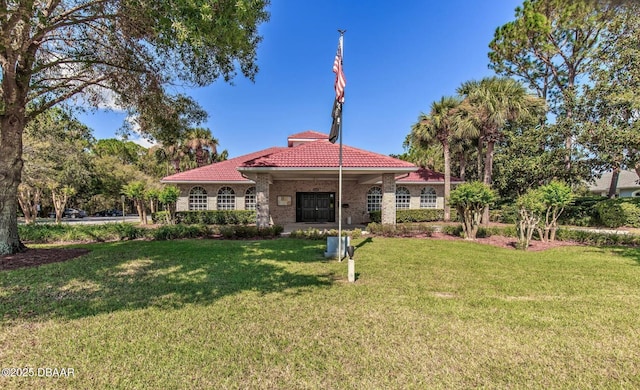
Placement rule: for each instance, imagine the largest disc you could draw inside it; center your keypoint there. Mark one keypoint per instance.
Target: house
(628, 184)
(299, 183)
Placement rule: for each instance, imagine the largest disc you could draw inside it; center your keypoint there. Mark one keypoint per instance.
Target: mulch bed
(36, 257)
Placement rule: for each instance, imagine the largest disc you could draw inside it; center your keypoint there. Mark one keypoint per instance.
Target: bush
(596, 238)
(245, 232)
(413, 215)
(582, 211)
(210, 217)
(173, 232)
(46, 233)
(615, 213)
(507, 213)
(400, 230)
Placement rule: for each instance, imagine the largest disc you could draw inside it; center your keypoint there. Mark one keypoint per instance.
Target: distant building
(628, 185)
(299, 183)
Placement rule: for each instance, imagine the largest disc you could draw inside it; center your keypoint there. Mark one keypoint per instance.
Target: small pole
(351, 265)
(123, 214)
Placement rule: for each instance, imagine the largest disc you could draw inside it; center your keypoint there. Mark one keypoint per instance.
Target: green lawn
(274, 314)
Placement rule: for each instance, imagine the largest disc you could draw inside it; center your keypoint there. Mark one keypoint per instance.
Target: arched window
(197, 199)
(250, 199)
(428, 198)
(403, 198)
(374, 199)
(226, 199)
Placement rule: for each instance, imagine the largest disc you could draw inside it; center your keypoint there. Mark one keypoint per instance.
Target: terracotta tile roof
(426, 175)
(321, 154)
(309, 134)
(223, 171)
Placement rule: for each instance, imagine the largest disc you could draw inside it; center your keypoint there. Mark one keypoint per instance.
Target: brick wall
(355, 195)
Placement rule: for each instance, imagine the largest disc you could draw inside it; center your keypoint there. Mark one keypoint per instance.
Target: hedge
(209, 217)
(413, 215)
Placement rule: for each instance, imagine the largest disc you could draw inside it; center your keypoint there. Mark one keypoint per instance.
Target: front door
(315, 207)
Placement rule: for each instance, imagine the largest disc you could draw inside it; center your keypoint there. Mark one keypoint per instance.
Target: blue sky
(398, 58)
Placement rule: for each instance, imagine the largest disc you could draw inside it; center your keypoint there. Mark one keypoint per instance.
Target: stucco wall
(353, 194)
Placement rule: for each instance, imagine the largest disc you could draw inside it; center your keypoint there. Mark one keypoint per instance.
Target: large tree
(53, 50)
(549, 46)
(444, 122)
(55, 160)
(610, 105)
(492, 103)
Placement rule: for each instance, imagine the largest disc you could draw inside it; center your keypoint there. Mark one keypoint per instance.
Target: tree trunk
(463, 166)
(613, 185)
(29, 198)
(488, 176)
(447, 180)
(11, 127)
(480, 158)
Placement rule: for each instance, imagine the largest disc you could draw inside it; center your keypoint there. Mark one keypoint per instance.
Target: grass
(274, 314)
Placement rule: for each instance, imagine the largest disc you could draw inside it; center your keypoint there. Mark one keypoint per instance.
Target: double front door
(315, 207)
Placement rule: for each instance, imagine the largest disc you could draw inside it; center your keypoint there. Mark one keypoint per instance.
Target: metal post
(340, 198)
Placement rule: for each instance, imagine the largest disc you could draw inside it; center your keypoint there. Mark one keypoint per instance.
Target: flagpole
(340, 249)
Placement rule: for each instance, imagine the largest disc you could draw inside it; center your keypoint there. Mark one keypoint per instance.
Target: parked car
(108, 213)
(74, 213)
(70, 213)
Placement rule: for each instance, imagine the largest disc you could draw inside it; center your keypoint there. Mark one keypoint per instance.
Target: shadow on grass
(632, 253)
(169, 274)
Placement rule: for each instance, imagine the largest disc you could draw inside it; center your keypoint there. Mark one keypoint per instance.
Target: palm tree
(201, 143)
(442, 124)
(492, 102)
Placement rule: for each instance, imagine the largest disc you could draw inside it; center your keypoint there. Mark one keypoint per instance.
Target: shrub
(611, 214)
(209, 217)
(470, 199)
(582, 212)
(172, 232)
(413, 215)
(245, 232)
(399, 230)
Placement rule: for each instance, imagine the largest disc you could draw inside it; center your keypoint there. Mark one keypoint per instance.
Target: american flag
(337, 69)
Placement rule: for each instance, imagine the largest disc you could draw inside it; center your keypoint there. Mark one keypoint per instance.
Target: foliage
(115, 53)
(168, 196)
(400, 230)
(554, 196)
(209, 217)
(136, 191)
(173, 232)
(491, 104)
(531, 208)
(250, 231)
(470, 199)
(317, 234)
(444, 123)
(609, 104)
(52, 233)
(581, 212)
(411, 215)
(615, 213)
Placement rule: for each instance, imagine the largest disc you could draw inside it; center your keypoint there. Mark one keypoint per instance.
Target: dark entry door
(315, 207)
